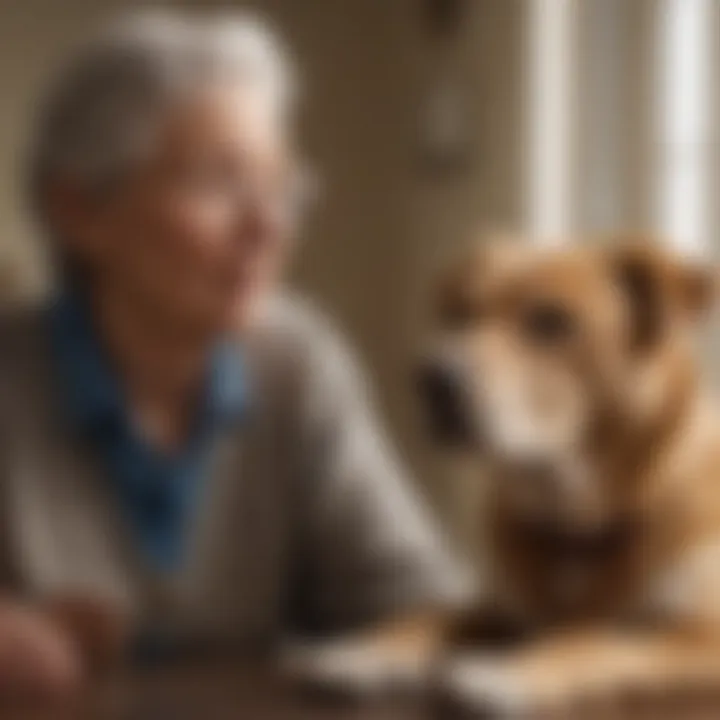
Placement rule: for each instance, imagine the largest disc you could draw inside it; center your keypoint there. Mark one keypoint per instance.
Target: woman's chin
(240, 309)
(245, 311)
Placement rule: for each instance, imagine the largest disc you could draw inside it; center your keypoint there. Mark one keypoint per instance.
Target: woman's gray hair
(101, 113)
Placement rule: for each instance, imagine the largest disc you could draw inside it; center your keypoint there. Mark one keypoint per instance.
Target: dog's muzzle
(443, 389)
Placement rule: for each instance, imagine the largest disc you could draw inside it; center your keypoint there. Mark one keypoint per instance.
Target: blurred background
(429, 119)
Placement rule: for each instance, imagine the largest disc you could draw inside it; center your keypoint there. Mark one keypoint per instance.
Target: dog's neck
(563, 494)
(566, 554)
(632, 449)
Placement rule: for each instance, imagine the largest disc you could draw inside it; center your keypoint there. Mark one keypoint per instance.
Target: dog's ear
(460, 284)
(662, 290)
(457, 286)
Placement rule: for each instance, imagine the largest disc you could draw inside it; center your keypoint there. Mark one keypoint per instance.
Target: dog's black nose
(444, 392)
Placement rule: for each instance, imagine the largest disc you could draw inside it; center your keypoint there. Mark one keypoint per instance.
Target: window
(621, 116)
(550, 117)
(683, 121)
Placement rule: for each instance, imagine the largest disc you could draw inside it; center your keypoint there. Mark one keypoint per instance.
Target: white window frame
(550, 119)
(677, 175)
(682, 149)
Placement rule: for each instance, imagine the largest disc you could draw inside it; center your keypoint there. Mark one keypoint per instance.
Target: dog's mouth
(540, 480)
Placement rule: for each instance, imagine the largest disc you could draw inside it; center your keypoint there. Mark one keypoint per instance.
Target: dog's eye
(548, 324)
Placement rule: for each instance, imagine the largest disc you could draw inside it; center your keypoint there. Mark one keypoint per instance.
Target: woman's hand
(48, 650)
(38, 655)
(98, 630)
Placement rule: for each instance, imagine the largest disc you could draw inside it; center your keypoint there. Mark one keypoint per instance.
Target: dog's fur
(572, 373)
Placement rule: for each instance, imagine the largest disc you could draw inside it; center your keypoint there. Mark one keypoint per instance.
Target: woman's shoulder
(292, 323)
(295, 335)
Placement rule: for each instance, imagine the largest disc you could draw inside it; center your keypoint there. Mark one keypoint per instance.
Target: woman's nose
(254, 225)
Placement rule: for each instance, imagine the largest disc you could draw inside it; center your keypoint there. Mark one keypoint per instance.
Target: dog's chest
(553, 574)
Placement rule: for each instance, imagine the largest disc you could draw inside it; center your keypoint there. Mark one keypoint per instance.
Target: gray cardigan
(307, 521)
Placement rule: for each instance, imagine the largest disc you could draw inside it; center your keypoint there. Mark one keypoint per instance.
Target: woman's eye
(548, 324)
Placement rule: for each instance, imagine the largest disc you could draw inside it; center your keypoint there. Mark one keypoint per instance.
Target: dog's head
(545, 355)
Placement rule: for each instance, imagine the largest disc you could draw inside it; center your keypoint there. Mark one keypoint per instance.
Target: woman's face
(198, 232)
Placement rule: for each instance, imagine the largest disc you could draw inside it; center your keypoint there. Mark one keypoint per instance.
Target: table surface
(211, 691)
(240, 691)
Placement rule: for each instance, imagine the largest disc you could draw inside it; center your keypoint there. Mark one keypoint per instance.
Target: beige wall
(383, 221)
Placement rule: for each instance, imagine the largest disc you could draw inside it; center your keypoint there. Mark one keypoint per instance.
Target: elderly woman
(182, 444)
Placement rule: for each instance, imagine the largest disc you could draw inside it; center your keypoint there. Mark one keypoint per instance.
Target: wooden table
(238, 691)
(211, 691)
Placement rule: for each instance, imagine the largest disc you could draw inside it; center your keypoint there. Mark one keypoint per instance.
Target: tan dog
(571, 373)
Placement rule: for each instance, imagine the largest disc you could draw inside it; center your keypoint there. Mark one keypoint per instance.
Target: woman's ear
(661, 289)
(66, 210)
(78, 217)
